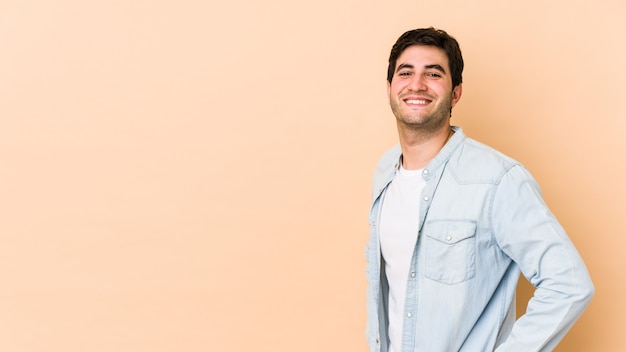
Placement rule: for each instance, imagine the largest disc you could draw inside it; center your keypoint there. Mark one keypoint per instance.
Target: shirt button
(409, 314)
(412, 274)
(426, 198)
(448, 238)
(425, 172)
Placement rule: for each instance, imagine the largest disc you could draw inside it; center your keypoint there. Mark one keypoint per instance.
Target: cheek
(394, 90)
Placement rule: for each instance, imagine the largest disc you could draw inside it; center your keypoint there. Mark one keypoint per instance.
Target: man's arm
(529, 234)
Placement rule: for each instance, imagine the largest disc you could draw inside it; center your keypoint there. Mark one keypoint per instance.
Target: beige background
(194, 176)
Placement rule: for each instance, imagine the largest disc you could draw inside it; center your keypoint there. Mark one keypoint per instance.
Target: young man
(452, 224)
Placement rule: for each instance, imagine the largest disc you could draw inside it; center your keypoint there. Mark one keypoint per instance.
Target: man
(452, 224)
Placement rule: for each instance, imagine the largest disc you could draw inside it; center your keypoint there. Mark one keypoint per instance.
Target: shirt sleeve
(531, 236)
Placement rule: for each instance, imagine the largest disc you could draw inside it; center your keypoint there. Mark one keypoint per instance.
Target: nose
(418, 83)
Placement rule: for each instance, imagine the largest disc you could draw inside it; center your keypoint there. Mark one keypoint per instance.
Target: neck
(419, 148)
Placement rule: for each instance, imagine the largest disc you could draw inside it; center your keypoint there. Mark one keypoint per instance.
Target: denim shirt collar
(445, 153)
(391, 162)
(442, 157)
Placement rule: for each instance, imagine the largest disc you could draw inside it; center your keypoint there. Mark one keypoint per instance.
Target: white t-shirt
(399, 226)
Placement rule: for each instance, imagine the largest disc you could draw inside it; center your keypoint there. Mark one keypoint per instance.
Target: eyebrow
(436, 67)
(403, 66)
(433, 66)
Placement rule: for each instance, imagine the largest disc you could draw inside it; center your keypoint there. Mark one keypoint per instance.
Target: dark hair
(432, 37)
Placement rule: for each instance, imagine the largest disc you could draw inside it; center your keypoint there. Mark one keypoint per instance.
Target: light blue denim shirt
(482, 221)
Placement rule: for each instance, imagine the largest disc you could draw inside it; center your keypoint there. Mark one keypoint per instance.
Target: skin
(421, 96)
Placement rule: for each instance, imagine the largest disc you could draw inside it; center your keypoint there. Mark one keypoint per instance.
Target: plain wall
(194, 176)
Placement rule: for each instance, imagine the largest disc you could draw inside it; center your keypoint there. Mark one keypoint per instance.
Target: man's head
(429, 37)
(424, 79)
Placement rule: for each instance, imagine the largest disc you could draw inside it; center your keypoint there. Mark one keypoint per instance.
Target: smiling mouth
(417, 101)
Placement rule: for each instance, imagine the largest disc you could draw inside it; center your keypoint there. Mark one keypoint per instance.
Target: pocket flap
(450, 232)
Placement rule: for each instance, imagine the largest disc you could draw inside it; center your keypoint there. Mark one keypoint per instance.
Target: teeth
(416, 101)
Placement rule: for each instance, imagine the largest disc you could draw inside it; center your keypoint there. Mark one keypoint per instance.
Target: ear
(388, 89)
(456, 94)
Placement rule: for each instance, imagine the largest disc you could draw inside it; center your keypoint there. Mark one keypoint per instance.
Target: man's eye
(404, 74)
(433, 74)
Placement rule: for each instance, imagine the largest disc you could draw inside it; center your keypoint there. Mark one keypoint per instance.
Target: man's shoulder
(477, 159)
(387, 163)
(472, 146)
(389, 159)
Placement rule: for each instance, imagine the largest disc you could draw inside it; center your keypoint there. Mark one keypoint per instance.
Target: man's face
(421, 93)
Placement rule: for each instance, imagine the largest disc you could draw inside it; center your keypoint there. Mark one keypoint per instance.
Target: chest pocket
(450, 251)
